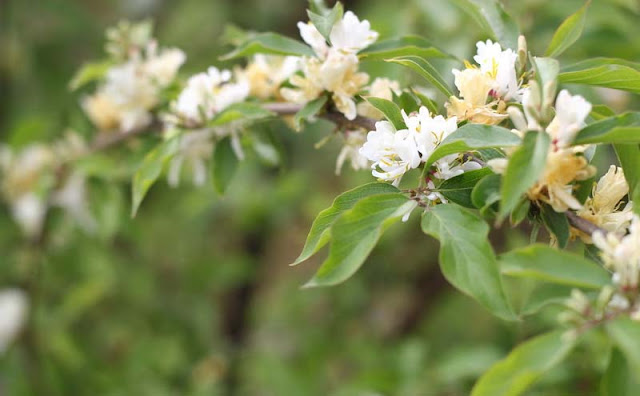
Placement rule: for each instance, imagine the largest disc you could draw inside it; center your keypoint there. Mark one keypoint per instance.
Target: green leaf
(471, 137)
(466, 257)
(390, 110)
(89, 72)
(486, 192)
(319, 234)
(604, 72)
(266, 145)
(624, 128)
(543, 295)
(458, 189)
(629, 157)
(426, 70)
(618, 379)
(407, 101)
(324, 21)
(271, 44)
(557, 224)
(493, 19)
(151, 168)
(525, 166)
(552, 265)
(569, 32)
(600, 112)
(245, 112)
(546, 72)
(426, 101)
(403, 46)
(309, 111)
(355, 234)
(223, 165)
(625, 333)
(524, 365)
(319, 7)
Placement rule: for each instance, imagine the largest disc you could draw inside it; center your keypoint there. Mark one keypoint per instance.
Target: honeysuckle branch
(285, 109)
(582, 224)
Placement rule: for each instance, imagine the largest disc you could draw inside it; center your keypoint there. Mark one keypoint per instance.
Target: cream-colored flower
(380, 88)
(266, 73)
(604, 207)
(474, 86)
(555, 187)
(622, 255)
(350, 35)
(571, 113)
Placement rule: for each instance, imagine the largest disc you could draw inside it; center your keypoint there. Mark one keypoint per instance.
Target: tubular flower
(622, 255)
(603, 208)
(334, 68)
(266, 73)
(571, 113)
(474, 87)
(132, 89)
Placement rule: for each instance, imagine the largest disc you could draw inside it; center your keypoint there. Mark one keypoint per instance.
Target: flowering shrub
(505, 146)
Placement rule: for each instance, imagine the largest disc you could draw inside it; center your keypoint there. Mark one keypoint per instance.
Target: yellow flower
(474, 86)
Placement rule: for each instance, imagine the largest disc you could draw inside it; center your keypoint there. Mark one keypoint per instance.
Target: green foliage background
(194, 296)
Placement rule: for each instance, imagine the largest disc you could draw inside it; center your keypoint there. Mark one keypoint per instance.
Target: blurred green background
(194, 296)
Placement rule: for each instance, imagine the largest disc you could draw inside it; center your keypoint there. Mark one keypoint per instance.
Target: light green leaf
(604, 72)
(486, 192)
(89, 72)
(426, 70)
(403, 46)
(525, 166)
(618, 379)
(546, 73)
(625, 333)
(245, 112)
(355, 234)
(569, 32)
(466, 257)
(223, 165)
(390, 110)
(552, 265)
(629, 157)
(458, 189)
(270, 44)
(557, 224)
(600, 112)
(471, 137)
(543, 295)
(324, 21)
(319, 234)
(524, 365)
(493, 19)
(309, 111)
(150, 170)
(624, 129)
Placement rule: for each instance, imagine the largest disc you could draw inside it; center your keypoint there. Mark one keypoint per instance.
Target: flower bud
(522, 54)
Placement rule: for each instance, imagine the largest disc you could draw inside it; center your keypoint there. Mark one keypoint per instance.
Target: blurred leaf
(223, 165)
(552, 265)
(245, 112)
(150, 170)
(493, 19)
(557, 224)
(426, 101)
(546, 73)
(356, 232)
(270, 44)
(599, 112)
(426, 70)
(624, 128)
(466, 257)
(466, 362)
(618, 380)
(625, 333)
(410, 45)
(266, 144)
(89, 72)
(543, 295)
(390, 110)
(470, 137)
(324, 21)
(524, 365)
(309, 111)
(319, 234)
(629, 157)
(407, 101)
(604, 72)
(569, 32)
(486, 192)
(458, 189)
(525, 166)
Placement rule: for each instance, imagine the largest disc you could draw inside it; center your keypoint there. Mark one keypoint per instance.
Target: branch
(583, 225)
(104, 141)
(336, 117)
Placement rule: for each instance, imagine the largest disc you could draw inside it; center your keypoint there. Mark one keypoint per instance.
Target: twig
(336, 117)
(583, 225)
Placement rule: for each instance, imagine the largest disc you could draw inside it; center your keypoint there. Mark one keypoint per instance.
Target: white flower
(571, 113)
(351, 151)
(428, 131)
(72, 198)
(500, 66)
(29, 211)
(622, 255)
(350, 35)
(13, 314)
(162, 67)
(314, 38)
(392, 152)
(380, 88)
(195, 149)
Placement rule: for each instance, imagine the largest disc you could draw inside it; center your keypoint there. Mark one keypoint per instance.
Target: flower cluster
(335, 66)
(133, 86)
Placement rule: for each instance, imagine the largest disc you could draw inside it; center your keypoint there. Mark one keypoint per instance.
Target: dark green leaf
(271, 44)
(569, 32)
(525, 166)
(390, 110)
(618, 379)
(493, 19)
(356, 232)
(403, 46)
(625, 332)
(486, 192)
(557, 224)
(309, 111)
(552, 265)
(525, 364)
(471, 137)
(458, 189)
(466, 257)
(223, 165)
(426, 70)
